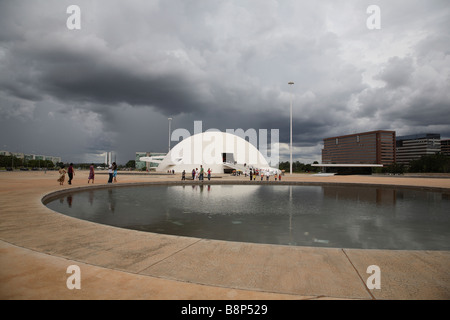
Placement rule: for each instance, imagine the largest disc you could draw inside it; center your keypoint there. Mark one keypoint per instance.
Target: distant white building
(148, 160)
(109, 158)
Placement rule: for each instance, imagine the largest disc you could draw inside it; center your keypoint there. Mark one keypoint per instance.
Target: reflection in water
(378, 196)
(290, 215)
(326, 216)
(111, 201)
(91, 197)
(69, 200)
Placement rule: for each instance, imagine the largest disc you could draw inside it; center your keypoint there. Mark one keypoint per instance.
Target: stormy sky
(111, 85)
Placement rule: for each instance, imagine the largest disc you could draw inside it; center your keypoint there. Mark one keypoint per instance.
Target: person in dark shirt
(70, 173)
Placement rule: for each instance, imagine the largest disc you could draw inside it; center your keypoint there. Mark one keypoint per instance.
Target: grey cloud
(397, 72)
(226, 63)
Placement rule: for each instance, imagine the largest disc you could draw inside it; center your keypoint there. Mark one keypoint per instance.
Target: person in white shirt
(110, 171)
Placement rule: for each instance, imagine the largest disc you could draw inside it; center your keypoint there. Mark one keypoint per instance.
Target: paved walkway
(37, 245)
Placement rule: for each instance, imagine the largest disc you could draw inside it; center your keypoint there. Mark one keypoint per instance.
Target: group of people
(264, 173)
(112, 171)
(62, 174)
(197, 174)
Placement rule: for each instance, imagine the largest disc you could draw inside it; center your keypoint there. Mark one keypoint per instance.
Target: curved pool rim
(56, 194)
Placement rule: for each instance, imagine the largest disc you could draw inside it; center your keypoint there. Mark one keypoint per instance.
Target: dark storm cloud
(169, 93)
(93, 77)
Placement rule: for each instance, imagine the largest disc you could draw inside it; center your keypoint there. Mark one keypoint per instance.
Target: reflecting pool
(320, 216)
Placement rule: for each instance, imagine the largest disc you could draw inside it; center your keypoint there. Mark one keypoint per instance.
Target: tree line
(431, 163)
(436, 163)
(298, 167)
(14, 162)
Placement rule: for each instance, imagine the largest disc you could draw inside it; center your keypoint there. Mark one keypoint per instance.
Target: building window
(337, 140)
(357, 138)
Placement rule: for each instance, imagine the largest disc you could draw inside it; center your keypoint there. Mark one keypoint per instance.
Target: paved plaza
(37, 245)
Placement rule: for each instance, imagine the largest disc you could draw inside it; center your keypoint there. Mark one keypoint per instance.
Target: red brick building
(374, 147)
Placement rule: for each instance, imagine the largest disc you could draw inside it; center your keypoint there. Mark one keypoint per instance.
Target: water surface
(321, 216)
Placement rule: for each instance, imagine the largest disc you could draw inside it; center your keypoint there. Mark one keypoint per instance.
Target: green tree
(131, 164)
(431, 163)
(10, 162)
(394, 168)
(298, 166)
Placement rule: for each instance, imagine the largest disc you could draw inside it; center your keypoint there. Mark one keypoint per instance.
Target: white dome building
(220, 151)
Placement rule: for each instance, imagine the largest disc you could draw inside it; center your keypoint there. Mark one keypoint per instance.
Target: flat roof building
(148, 165)
(374, 147)
(412, 147)
(445, 147)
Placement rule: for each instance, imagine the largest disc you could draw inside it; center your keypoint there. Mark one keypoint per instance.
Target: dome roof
(212, 149)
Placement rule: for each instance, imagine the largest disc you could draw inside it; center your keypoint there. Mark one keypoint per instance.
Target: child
(62, 176)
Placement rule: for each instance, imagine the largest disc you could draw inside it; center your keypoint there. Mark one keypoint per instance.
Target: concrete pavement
(37, 245)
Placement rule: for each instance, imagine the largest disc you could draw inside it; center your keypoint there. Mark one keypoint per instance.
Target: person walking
(110, 172)
(70, 173)
(193, 174)
(115, 171)
(251, 174)
(202, 172)
(62, 176)
(209, 173)
(183, 175)
(91, 173)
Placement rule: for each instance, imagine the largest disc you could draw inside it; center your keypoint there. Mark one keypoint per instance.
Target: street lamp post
(170, 122)
(290, 148)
